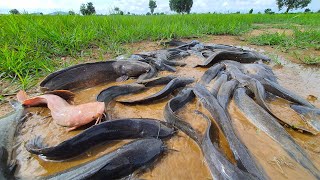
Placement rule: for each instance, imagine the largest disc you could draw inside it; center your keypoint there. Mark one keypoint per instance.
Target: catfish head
(3, 156)
(131, 68)
(262, 57)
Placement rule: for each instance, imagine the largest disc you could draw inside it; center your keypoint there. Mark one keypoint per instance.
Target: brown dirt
(94, 55)
(229, 40)
(272, 28)
(257, 32)
(301, 79)
(293, 54)
(275, 25)
(143, 46)
(189, 157)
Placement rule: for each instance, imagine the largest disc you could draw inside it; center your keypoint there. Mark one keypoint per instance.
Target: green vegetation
(87, 9)
(275, 58)
(292, 4)
(311, 60)
(268, 11)
(181, 6)
(71, 12)
(14, 11)
(152, 5)
(307, 10)
(32, 46)
(307, 59)
(270, 39)
(117, 11)
(300, 39)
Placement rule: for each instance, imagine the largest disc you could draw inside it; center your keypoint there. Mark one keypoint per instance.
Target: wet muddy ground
(8, 90)
(185, 160)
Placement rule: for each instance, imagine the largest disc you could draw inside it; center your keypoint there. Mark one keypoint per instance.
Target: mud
(186, 161)
(273, 159)
(299, 78)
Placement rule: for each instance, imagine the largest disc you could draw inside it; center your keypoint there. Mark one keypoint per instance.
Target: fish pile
(232, 73)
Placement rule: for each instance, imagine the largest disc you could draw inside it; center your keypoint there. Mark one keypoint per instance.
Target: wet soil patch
(187, 162)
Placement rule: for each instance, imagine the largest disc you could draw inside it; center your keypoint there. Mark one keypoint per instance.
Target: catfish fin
(12, 166)
(64, 94)
(35, 145)
(15, 104)
(122, 78)
(22, 95)
(37, 101)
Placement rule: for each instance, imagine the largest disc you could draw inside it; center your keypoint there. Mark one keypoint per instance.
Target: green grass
(311, 60)
(275, 58)
(309, 38)
(270, 39)
(31, 45)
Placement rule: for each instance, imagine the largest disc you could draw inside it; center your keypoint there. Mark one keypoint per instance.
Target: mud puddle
(186, 161)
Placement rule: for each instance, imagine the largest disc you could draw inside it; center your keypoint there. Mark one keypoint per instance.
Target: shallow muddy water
(185, 160)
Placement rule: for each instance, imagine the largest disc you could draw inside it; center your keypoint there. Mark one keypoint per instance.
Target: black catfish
(244, 56)
(112, 92)
(243, 157)
(226, 92)
(117, 164)
(157, 81)
(161, 65)
(236, 73)
(220, 167)
(311, 116)
(173, 42)
(185, 96)
(221, 79)
(284, 93)
(214, 47)
(259, 92)
(268, 124)
(104, 132)
(259, 71)
(150, 74)
(211, 73)
(187, 45)
(5, 172)
(92, 74)
(168, 89)
(8, 127)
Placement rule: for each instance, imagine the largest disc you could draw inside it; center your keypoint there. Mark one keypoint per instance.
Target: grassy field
(32, 46)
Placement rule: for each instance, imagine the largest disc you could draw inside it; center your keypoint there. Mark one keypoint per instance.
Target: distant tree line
(118, 11)
(184, 6)
(87, 9)
(152, 5)
(292, 4)
(14, 11)
(71, 12)
(181, 6)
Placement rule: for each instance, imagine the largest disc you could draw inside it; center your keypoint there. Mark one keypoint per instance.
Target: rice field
(31, 46)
